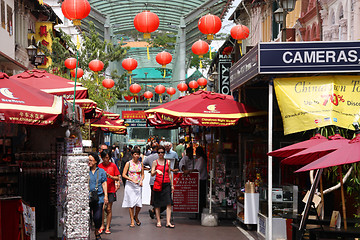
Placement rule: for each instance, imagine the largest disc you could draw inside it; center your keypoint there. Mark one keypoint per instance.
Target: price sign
(186, 193)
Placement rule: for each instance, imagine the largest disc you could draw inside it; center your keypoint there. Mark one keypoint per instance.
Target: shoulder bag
(94, 197)
(157, 184)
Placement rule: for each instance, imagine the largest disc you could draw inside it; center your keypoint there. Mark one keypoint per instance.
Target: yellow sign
(310, 102)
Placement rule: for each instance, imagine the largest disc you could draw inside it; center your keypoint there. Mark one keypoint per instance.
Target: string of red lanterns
(129, 64)
(79, 74)
(75, 10)
(171, 91)
(193, 85)
(108, 83)
(202, 82)
(135, 89)
(148, 95)
(239, 33)
(163, 58)
(70, 63)
(182, 87)
(96, 66)
(209, 25)
(160, 89)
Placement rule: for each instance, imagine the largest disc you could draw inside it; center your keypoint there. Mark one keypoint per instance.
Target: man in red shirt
(113, 174)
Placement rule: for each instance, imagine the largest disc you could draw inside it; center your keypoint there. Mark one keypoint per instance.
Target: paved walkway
(186, 229)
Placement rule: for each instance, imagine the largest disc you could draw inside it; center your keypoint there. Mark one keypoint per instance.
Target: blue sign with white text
(309, 57)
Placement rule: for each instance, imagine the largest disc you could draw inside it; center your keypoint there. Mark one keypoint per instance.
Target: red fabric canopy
(202, 108)
(51, 83)
(348, 153)
(23, 104)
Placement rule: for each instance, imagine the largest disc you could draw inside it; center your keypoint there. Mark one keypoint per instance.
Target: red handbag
(157, 184)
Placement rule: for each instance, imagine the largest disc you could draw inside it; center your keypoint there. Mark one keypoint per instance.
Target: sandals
(158, 225)
(101, 230)
(107, 232)
(137, 222)
(132, 225)
(170, 226)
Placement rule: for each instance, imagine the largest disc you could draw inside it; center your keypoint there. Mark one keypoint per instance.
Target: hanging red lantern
(129, 64)
(227, 50)
(146, 22)
(160, 89)
(128, 98)
(193, 84)
(202, 82)
(182, 87)
(210, 25)
(148, 94)
(79, 74)
(171, 91)
(108, 83)
(163, 58)
(70, 63)
(239, 32)
(96, 65)
(75, 10)
(135, 88)
(200, 48)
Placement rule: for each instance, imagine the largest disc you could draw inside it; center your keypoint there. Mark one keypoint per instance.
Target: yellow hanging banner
(310, 102)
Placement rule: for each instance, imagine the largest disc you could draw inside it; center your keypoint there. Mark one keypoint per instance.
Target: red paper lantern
(80, 73)
(148, 94)
(171, 91)
(146, 22)
(135, 88)
(163, 58)
(200, 48)
(129, 64)
(193, 84)
(239, 32)
(210, 25)
(202, 82)
(227, 50)
(70, 63)
(182, 87)
(96, 65)
(128, 98)
(108, 83)
(160, 89)
(75, 10)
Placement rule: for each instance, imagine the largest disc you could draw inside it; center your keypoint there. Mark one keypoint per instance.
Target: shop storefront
(295, 69)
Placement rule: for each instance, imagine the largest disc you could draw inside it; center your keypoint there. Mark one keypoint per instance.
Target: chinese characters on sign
(133, 115)
(186, 193)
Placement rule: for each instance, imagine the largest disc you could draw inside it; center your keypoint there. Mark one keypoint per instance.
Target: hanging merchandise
(160, 89)
(210, 25)
(239, 33)
(75, 10)
(129, 64)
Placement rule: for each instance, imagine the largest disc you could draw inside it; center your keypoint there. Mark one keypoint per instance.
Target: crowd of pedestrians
(110, 166)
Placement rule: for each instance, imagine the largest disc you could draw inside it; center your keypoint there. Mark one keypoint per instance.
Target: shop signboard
(245, 69)
(309, 57)
(186, 193)
(133, 115)
(224, 74)
(312, 102)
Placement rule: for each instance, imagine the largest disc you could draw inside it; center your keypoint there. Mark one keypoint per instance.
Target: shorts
(112, 197)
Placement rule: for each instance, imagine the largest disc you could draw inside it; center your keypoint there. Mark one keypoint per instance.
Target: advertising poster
(29, 221)
(310, 102)
(186, 193)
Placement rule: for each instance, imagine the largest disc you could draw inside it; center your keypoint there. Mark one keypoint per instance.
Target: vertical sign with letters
(224, 75)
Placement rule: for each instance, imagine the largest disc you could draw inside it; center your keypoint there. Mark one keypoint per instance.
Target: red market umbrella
(22, 104)
(297, 147)
(203, 108)
(51, 83)
(347, 154)
(316, 151)
(109, 125)
(87, 105)
(102, 113)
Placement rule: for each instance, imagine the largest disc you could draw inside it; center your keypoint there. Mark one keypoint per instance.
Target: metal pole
(77, 64)
(284, 27)
(270, 143)
(182, 50)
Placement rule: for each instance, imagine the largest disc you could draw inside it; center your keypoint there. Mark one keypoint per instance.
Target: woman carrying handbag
(163, 187)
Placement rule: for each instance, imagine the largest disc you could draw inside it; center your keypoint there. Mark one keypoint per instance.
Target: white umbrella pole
(211, 172)
(270, 129)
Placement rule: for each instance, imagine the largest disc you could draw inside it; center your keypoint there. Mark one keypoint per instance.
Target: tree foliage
(92, 47)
